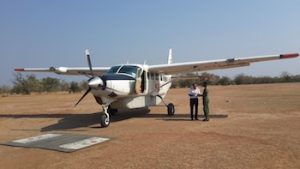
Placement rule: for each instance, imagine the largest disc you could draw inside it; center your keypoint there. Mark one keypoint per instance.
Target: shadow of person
(180, 116)
(186, 117)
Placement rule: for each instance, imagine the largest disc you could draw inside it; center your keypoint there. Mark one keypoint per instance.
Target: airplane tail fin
(170, 56)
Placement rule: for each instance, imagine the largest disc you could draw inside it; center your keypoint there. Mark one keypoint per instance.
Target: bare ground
(252, 126)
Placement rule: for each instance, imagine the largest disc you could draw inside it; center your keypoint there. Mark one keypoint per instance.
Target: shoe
(205, 120)
(196, 119)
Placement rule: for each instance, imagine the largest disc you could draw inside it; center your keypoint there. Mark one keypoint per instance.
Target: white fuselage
(135, 89)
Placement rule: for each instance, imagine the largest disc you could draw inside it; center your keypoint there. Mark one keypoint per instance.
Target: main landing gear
(170, 107)
(104, 117)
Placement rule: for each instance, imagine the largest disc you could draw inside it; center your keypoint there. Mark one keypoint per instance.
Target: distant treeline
(213, 79)
(29, 83)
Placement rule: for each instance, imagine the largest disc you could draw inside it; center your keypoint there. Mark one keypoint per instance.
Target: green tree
(225, 81)
(5, 89)
(25, 85)
(83, 85)
(243, 79)
(286, 77)
(64, 86)
(50, 84)
(74, 87)
(212, 79)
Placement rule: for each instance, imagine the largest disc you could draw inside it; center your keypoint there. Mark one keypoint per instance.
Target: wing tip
(19, 69)
(289, 55)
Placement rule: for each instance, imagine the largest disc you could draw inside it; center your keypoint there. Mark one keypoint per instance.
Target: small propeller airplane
(130, 86)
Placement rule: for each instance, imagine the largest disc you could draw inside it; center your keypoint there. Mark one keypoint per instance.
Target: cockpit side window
(113, 69)
(130, 70)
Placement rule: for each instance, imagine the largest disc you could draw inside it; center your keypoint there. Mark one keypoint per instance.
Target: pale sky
(35, 33)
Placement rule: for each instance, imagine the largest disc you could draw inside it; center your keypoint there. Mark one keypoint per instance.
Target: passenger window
(165, 78)
(156, 76)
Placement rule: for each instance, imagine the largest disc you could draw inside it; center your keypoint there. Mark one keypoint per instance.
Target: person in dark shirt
(205, 101)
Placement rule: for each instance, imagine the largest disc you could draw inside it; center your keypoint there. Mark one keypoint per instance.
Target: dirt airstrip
(252, 126)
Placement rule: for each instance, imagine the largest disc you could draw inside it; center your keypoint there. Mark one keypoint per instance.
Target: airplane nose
(95, 83)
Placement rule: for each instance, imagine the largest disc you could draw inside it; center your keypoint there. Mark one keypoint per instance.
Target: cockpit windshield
(126, 69)
(114, 69)
(130, 70)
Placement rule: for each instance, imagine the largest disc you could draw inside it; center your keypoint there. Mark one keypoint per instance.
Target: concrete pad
(64, 142)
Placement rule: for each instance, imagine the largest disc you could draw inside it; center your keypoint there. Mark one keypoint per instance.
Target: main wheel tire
(171, 109)
(112, 113)
(104, 120)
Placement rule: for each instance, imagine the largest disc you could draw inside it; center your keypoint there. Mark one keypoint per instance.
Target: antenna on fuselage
(170, 58)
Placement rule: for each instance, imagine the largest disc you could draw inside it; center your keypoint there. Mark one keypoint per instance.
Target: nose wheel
(104, 117)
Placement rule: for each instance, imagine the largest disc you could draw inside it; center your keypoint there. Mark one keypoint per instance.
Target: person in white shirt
(194, 92)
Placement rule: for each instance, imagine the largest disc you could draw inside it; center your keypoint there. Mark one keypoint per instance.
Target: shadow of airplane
(72, 121)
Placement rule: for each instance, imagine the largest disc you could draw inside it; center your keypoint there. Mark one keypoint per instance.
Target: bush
(25, 85)
(50, 84)
(5, 89)
(74, 87)
(225, 81)
(29, 83)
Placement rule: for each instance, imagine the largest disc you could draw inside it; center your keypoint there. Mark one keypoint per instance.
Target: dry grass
(261, 131)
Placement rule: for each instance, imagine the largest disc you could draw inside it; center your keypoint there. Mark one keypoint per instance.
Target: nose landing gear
(104, 117)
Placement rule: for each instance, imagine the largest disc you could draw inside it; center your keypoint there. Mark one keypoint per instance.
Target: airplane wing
(67, 70)
(186, 67)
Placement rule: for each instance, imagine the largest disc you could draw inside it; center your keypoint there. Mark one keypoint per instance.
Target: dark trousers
(194, 103)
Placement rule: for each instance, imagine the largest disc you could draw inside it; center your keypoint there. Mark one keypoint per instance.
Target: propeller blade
(87, 53)
(88, 90)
